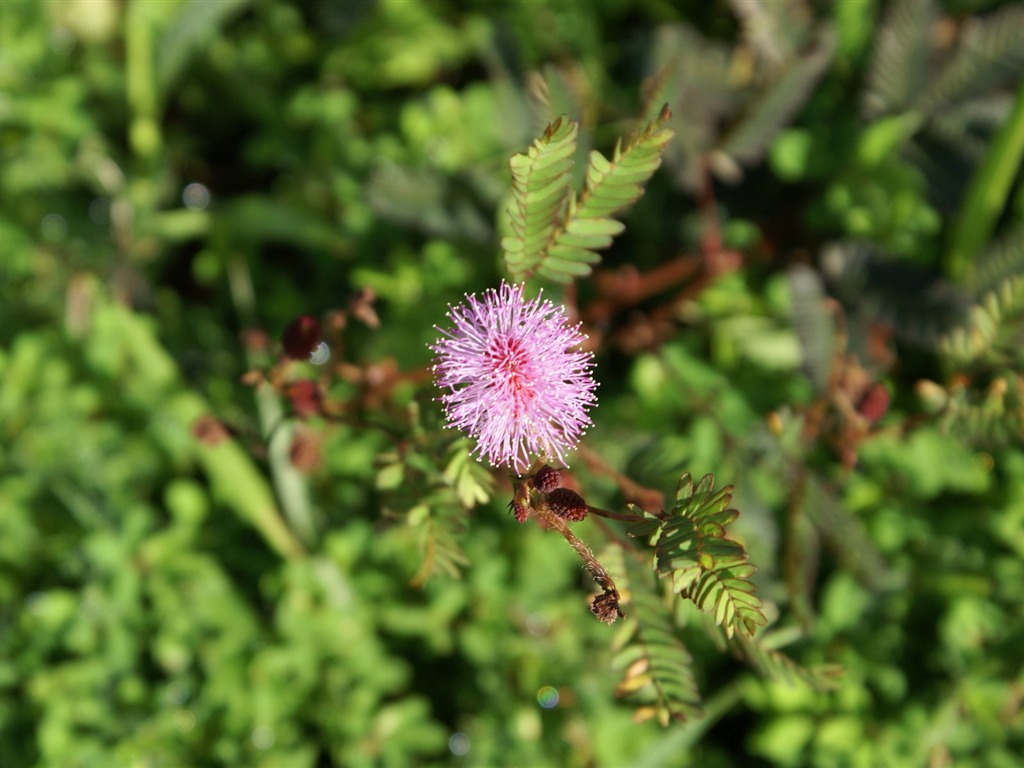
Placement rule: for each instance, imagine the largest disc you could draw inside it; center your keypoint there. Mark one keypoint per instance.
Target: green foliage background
(817, 300)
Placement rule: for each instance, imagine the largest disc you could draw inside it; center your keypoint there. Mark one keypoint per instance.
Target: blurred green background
(818, 300)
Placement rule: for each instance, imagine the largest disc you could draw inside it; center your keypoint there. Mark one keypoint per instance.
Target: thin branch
(614, 515)
(646, 498)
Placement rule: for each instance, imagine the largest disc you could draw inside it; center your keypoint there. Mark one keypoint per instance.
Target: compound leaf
(657, 670)
(555, 234)
(693, 550)
(541, 190)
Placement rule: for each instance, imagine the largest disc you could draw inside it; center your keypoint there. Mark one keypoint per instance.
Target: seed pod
(547, 479)
(606, 606)
(567, 504)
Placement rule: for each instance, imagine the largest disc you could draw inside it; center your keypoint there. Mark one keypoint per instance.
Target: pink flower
(514, 376)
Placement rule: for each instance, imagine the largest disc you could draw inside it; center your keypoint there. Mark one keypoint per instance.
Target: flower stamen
(514, 377)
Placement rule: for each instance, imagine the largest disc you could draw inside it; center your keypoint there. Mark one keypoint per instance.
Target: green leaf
(556, 235)
(989, 55)
(987, 195)
(540, 186)
(693, 550)
(472, 481)
(657, 669)
(764, 656)
(191, 30)
(777, 104)
(901, 59)
(884, 137)
(790, 154)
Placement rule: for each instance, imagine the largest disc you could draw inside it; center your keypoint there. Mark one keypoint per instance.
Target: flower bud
(547, 479)
(305, 398)
(874, 403)
(519, 510)
(301, 337)
(567, 504)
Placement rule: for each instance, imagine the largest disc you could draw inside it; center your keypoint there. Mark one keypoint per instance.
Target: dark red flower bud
(547, 479)
(519, 510)
(305, 398)
(874, 403)
(567, 504)
(301, 337)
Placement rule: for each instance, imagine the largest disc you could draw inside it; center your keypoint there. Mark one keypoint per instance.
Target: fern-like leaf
(990, 54)
(611, 186)
(541, 190)
(964, 130)
(693, 550)
(774, 664)
(688, 68)
(776, 105)
(559, 89)
(657, 670)
(775, 29)
(976, 335)
(846, 536)
(814, 325)
(470, 479)
(921, 307)
(1001, 260)
(991, 328)
(427, 512)
(989, 418)
(901, 59)
(439, 534)
(557, 235)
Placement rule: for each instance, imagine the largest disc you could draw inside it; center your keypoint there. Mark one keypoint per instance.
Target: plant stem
(614, 515)
(144, 130)
(591, 563)
(289, 484)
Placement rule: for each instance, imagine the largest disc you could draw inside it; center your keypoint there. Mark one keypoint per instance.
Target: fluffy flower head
(514, 377)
